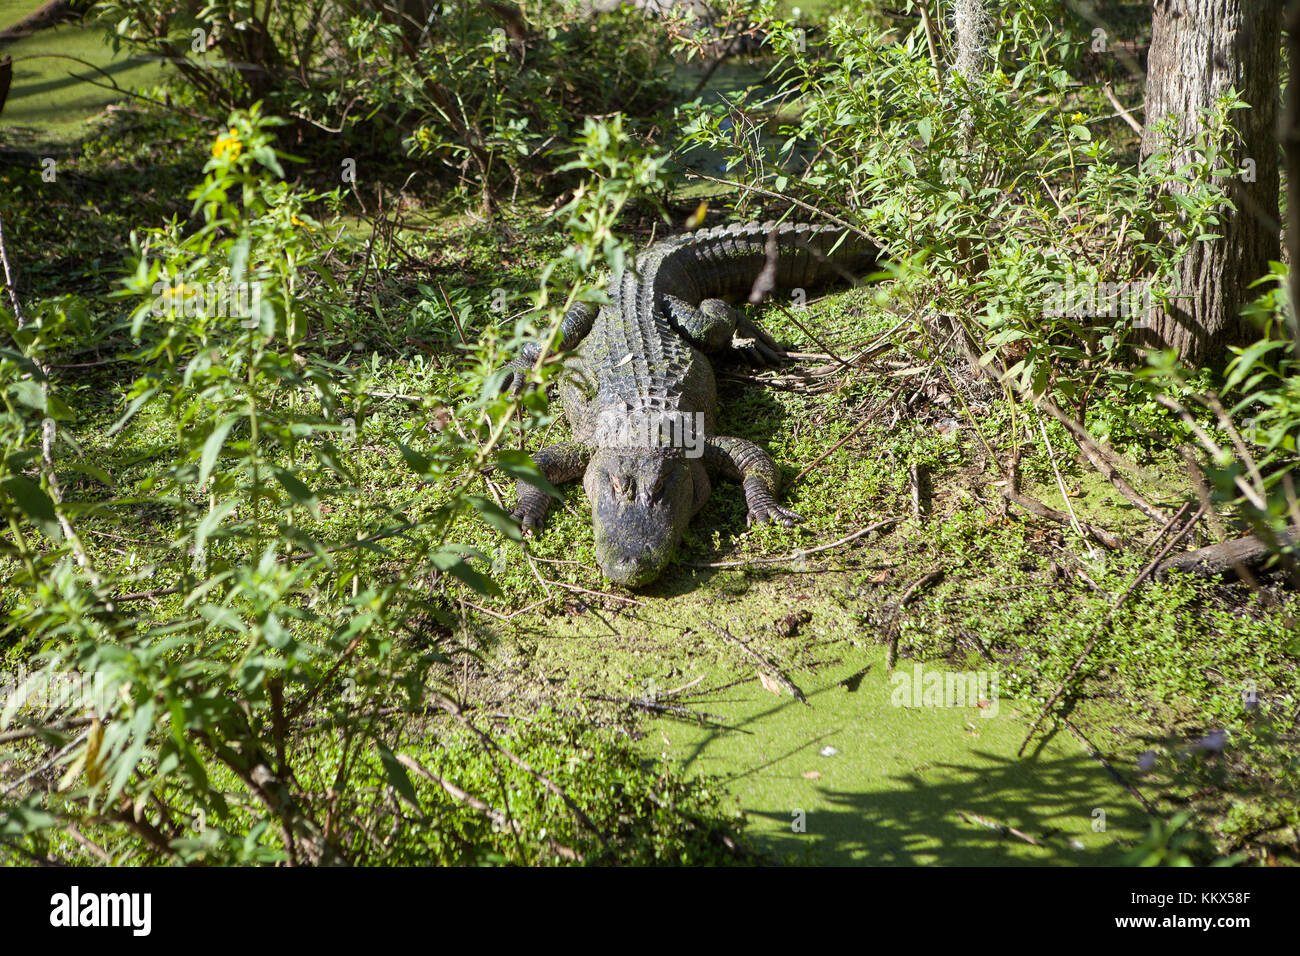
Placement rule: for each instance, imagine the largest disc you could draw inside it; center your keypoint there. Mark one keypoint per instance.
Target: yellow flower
(296, 221)
(228, 143)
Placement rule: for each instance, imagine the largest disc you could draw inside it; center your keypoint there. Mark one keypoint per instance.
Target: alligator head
(641, 502)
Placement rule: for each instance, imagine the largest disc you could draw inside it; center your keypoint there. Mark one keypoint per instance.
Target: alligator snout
(633, 571)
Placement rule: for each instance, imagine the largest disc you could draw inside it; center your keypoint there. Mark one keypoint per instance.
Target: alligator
(639, 393)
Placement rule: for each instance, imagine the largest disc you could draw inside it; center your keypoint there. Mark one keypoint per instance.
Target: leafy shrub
(263, 681)
(483, 92)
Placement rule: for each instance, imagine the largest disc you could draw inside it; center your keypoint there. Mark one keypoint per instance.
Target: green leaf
(496, 517)
(926, 129)
(297, 490)
(1245, 362)
(132, 408)
(455, 565)
(266, 156)
(35, 505)
(28, 393)
(94, 471)
(417, 462)
(397, 776)
(238, 260)
(212, 447)
(212, 520)
(519, 464)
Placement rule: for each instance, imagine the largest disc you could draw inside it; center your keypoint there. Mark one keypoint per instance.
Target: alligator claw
(531, 524)
(774, 514)
(514, 381)
(759, 348)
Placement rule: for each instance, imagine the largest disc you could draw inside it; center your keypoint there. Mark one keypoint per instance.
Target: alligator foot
(574, 327)
(517, 369)
(755, 345)
(531, 513)
(566, 461)
(764, 512)
(737, 458)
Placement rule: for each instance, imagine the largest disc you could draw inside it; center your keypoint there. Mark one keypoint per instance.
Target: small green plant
(264, 680)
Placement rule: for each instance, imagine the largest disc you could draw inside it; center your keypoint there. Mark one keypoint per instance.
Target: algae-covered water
(876, 768)
(57, 83)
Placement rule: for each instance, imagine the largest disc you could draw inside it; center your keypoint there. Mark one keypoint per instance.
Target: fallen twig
(1105, 627)
(766, 665)
(917, 586)
(798, 555)
(1249, 552)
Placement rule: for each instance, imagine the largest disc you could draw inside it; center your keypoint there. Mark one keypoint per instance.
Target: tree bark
(1291, 148)
(1200, 49)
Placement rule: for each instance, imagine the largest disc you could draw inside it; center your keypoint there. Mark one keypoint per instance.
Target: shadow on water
(965, 818)
(905, 786)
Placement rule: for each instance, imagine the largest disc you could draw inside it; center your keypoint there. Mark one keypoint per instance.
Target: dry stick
(1103, 459)
(669, 694)
(798, 555)
(1211, 401)
(1001, 828)
(1121, 112)
(454, 316)
(847, 438)
(1213, 447)
(1104, 627)
(602, 594)
(1168, 524)
(1035, 507)
(89, 844)
(929, 42)
(9, 279)
(452, 708)
(920, 584)
(47, 438)
(496, 816)
(764, 664)
(1060, 483)
(11, 735)
(513, 614)
(812, 335)
(914, 477)
(703, 718)
(1119, 777)
(499, 818)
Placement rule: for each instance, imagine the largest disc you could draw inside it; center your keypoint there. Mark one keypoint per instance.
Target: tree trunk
(1200, 49)
(1291, 147)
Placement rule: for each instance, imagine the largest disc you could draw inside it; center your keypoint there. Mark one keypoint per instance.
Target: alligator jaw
(641, 502)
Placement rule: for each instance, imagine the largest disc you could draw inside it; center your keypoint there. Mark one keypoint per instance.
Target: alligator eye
(623, 486)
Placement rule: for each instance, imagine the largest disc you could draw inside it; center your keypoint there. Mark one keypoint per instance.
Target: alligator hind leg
(566, 461)
(746, 462)
(574, 327)
(715, 325)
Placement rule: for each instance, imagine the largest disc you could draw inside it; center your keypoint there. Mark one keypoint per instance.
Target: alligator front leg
(574, 327)
(715, 325)
(749, 464)
(566, 461)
